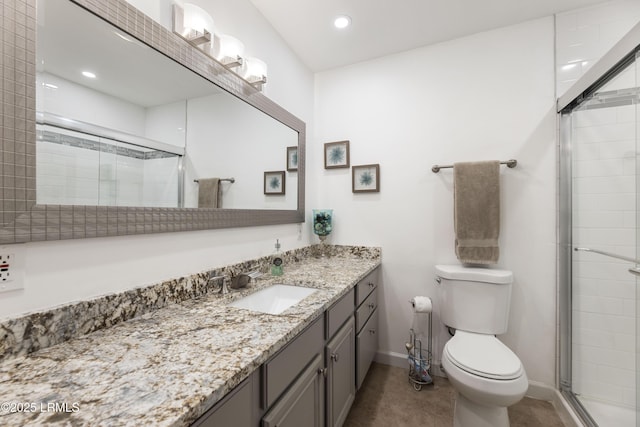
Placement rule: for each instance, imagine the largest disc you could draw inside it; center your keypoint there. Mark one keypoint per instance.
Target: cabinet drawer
(338, 313)
(366, 308)
(285, 366)
(366, 286)
(366, 347)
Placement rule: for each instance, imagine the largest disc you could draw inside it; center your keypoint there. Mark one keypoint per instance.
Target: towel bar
(231, 180)
(510, 163)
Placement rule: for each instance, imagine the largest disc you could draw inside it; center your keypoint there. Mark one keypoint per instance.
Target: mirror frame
(22, 220)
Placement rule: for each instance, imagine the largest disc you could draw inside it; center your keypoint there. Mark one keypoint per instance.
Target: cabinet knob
(371, 284)
(371, 305)
(335, 357)
(322, 371)
(372, 331)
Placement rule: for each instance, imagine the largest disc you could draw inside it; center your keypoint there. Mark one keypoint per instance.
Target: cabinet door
(341, 360)
(302, 404)
(236, 409)
(283, 368)
(366, 347)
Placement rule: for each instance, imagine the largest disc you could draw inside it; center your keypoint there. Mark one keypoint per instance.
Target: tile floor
(387, 399)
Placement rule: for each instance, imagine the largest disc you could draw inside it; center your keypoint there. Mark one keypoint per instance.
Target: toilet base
(471, 414)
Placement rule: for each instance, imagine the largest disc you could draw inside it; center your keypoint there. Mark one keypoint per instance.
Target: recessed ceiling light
(89, 74)
(342, 21)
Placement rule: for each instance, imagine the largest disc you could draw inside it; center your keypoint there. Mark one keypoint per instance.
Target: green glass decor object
(322, 226)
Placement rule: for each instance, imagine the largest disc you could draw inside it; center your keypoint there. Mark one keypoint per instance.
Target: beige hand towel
(209, 193)
(477, 211)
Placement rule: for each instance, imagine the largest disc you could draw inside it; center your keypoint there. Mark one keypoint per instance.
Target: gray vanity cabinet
(302, 404)
(366, 347)
(283, 368)
(341, 391)
(366, 324)
(236, 409)
(312, 381)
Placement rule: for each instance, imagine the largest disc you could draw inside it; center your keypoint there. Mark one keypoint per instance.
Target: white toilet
(487, 375)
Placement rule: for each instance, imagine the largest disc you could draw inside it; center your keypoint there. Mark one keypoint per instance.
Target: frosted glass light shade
(228, 47)
(254, 69)
(196, 18)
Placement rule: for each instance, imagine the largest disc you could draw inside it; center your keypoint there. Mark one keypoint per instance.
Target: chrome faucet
(223, 284)
(234, 282)
(243, 279)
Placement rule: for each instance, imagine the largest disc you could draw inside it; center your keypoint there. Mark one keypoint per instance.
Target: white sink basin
(273, 300)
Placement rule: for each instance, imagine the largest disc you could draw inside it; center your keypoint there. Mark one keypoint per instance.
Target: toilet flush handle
(438, 280)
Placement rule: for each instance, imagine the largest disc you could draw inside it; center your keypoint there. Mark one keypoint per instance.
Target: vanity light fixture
(228, 50)
(254, 71)
(342, 21)
(194, 24)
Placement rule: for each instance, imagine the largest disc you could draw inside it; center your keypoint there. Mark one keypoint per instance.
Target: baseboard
(540, 391)
(391, 358)
(399, 360)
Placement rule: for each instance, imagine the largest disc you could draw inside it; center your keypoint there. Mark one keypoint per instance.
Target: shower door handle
(635, 271)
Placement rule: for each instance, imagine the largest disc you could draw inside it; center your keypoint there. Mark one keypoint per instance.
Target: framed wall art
(292, 159)
(274, 182)
(336, 155)
(365, 179)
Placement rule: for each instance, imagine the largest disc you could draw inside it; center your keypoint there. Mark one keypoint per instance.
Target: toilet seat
(483, 355)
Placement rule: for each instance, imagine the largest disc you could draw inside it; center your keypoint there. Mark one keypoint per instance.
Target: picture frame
(365, 178)
(336, 155)
(274, 183)
(292, 159)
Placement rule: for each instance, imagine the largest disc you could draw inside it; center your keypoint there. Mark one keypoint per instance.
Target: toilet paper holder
(420, 361)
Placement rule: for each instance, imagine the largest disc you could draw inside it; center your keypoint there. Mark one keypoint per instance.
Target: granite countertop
(169, 366)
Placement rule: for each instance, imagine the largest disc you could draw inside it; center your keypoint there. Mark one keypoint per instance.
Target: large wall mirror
(133, 130)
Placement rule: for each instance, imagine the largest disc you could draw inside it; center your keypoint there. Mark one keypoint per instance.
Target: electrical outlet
(6, 259)
(11, 268)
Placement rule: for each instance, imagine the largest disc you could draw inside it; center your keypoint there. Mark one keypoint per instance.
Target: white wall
(487, 96)
(59, 272)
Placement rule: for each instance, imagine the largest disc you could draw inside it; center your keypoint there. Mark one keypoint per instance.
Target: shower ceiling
(383, 27)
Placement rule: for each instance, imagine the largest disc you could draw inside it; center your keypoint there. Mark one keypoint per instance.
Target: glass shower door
(604, 228)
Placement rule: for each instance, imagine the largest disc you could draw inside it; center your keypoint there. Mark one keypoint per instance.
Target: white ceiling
(383, 27)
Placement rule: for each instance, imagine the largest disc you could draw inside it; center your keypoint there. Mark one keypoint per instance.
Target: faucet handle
(223, 284)
(255, 274)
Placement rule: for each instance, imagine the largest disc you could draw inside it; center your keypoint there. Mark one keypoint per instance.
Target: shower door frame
(618, 58)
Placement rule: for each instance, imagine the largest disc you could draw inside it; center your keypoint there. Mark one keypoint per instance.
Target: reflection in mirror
(120, 124)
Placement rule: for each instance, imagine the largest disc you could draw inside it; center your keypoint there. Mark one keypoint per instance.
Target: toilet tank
(474, 299)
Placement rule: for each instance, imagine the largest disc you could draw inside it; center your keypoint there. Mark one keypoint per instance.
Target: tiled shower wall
(68, 175)
(584, 35)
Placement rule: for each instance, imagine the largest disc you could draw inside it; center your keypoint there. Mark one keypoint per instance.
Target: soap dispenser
(276, 261)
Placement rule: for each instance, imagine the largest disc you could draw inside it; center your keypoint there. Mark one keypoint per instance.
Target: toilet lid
(483, 355)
